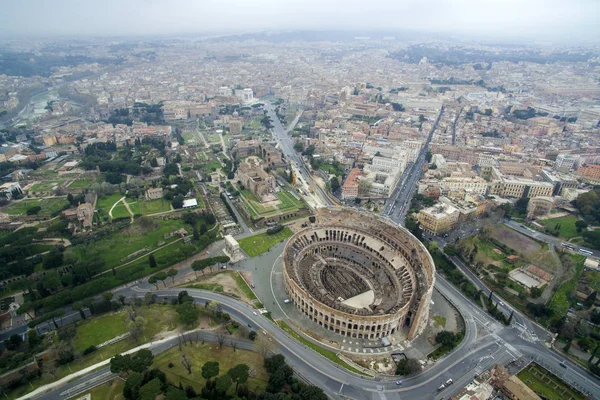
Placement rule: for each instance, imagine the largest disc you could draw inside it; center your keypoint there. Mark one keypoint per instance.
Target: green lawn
(81, 183)
(330, 355)
(200, 354)
(243, 286)
(567, 225)
(100, 329)
(104, 203)
(189, 136)
(47, 186)
(120, 211)
(258, 244)
(257, 209)
(547, 385)
(212, 287)
(288, 202)
(49, 206)
(143, 207)
(119, 244)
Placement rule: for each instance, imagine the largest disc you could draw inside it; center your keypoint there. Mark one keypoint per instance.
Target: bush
(89, 350)
(34, 210)
(275, 229)
(252, 335)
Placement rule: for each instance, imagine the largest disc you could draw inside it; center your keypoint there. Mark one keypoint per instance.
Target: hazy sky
(577, 19)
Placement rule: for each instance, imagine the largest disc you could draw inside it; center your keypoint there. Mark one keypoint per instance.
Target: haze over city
(536, 20)
(300, 200)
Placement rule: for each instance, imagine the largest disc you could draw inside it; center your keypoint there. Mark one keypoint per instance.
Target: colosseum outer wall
(418, 273)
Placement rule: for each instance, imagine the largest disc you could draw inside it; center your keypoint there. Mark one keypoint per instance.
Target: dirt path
(113, 206)
(128, 209)
(122, 199)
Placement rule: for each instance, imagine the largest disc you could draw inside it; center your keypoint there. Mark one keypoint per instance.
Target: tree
(136, 328)
(132, 386)
(154, 281)
(122, 299)
(210, 369)
(172, 273)
(402, 368)
(161, 276)
(239, 374)
(446, 338)
(188, 313)
(581, 225)
(252, 335)
(177, 202)
(521, 205)
(223, 383)
(220, 339)
(187, 363)
(152, 261)
(138, 362)
(274, 363)
(335, 184)
(150, 390)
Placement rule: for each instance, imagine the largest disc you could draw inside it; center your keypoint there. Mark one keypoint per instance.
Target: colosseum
(359, 275)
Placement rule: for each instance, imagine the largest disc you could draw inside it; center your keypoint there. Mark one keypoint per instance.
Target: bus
(586, 252)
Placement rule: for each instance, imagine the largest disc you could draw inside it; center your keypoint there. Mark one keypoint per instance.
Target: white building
(566, 162)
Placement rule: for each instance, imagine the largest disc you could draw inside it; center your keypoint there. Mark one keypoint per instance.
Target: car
(249, 326)
(501, 303)
(252, 285)
(398, 383)
(442, 387)
(449, 382)
(287, 301)
(562, 364)
(254, 312)
(265, 333)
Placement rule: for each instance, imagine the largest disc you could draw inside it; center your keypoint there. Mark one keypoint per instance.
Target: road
(454, 127)
(548, 239)
(486, 342)
(399, 201)
(287, 147)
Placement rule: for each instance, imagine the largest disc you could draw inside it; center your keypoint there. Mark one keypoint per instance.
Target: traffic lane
(294, 349)
(547, 238)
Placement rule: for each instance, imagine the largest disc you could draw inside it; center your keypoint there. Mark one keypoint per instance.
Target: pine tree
(152, 261)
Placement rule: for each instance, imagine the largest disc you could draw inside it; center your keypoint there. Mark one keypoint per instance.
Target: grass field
(120, 211)
(567, 226)
(213, 287)
(121, 243)
(100, 329)
(200, 354)
(330, 355)
(143, 207)
(104, 203)
(243, 286)
(258, 244)
(47, 186)
(111, 390)
(81, 183)
(48, 206)
(257, 209)
(547, 385)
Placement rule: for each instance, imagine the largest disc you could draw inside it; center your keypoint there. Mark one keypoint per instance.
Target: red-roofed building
(350, 187)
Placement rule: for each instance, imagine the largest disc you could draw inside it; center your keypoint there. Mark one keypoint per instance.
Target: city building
(350, 186)
(438, 219)
(565, 162)
(253, 176)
